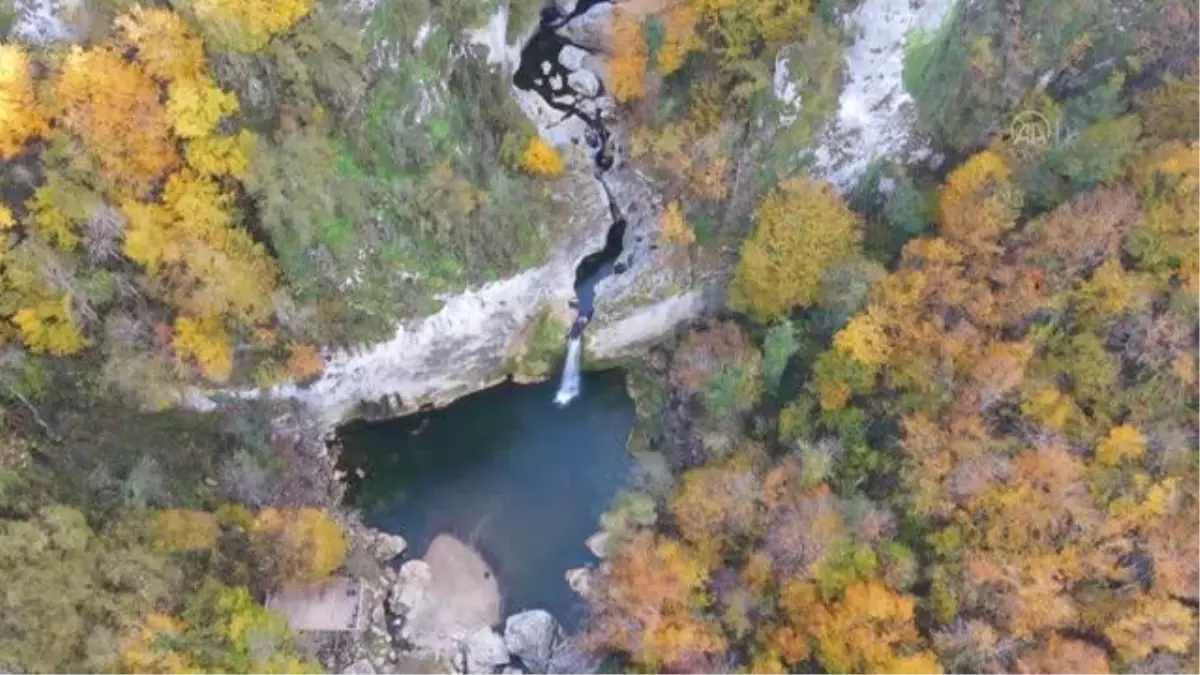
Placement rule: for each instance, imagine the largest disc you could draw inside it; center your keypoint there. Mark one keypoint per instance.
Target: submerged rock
(460, 598)
(531, 636)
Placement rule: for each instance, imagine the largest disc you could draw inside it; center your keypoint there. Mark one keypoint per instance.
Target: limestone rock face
(590, 29)
(464, 347)
(531, 636)
(875, 114)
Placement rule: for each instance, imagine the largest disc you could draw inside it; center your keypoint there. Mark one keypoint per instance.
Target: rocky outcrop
(589, 30)
(875, 114)
(464, 347)
(387, 547)
(532, 636)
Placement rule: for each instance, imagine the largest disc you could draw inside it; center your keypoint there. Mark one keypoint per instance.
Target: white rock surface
(571, 57)
(42, 21)
(584, 83)
(359, 667)
(531, 636)
(410, 588)
(388, 546)
(486, 651)
(875, 115)
(648, 323)
(590, 29)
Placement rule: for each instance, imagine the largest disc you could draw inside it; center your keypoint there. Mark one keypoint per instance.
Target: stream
(506, 470)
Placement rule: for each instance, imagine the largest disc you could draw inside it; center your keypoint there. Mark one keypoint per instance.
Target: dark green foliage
(67, 591)
(778, 346)
(972, 74)
(1096, 155)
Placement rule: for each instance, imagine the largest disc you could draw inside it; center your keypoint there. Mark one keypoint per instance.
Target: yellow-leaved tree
(541, 159)
(165, 45)
(184, 530)
(674, 227)
(204, 339)
(20, 115)
(226, 273)
(801, 228)
(626, 65)
(221, 155)
(46, 327)
(247, 25)
(195, 106)
(113, 105)
(298, 546)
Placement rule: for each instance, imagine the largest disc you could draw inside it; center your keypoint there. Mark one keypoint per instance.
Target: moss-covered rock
(540, 348)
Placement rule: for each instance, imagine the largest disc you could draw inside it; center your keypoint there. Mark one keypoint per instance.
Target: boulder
(571, 57)
(486, 651)
(585, 83)
(531, 636)
(566, 7)
(359, 667)
(386, 547)
(411, 586)
(590, 29)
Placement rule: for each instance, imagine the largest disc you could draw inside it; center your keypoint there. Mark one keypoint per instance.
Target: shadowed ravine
(538, 71)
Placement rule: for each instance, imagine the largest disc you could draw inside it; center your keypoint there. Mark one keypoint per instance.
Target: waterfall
(569, 389)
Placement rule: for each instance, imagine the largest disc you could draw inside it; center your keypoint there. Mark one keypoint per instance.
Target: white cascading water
(569, 388)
